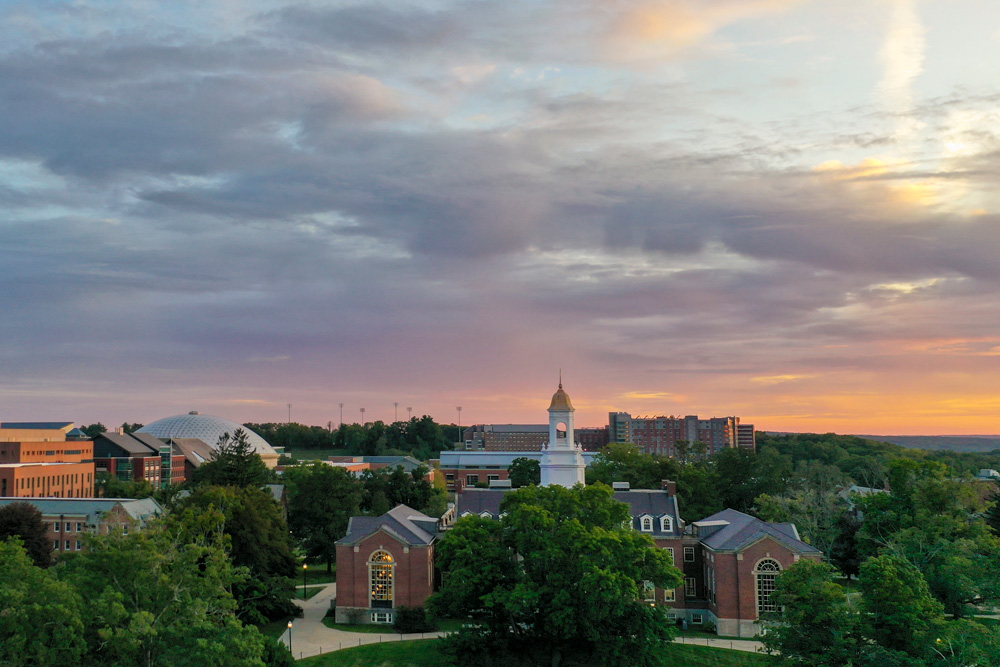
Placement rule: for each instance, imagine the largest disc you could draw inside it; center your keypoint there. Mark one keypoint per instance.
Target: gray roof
(730, 530)
(405, 523)
(641, 502)
(654, 503)
(43, 426)
(127, 443)
(141, 510)
(408, 463)
(195, 450)
(277, 491)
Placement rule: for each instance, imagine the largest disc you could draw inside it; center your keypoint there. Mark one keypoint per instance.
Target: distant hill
(955, 443)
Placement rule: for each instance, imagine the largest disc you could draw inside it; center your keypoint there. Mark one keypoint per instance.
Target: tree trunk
(556, 657)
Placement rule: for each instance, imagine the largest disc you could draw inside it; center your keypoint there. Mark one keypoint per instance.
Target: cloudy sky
(785, 210)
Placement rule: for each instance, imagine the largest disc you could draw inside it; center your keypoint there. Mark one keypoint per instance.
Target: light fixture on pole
(362, 416)
(341, 414)
(459, 409)
(395, 412)
(289, 413)
(409, 414)
(305, 568)
(290, 638)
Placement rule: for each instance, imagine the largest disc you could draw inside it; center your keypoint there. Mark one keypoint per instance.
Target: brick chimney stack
(670, 486)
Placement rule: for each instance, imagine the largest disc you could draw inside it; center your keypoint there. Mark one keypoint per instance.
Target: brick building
(45, 459)
(661, 434)
(526, 437)
(729, 560)
(68, 519)
(384, 563)
(139, 456)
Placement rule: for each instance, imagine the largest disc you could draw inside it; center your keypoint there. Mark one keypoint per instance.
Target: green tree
(130, 428)
(321, 500)
(24, 521)
(557, 578)
(109, 486)
(815, 514)
(94, 430)
(235, 464)
(844, 553)
(817, 625)
(160, 598)
(900, 612)
(41, 618)
(259, 541)
(524, 471)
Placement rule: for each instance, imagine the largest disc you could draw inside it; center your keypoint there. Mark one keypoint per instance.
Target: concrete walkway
(310, 637)
(748, 645)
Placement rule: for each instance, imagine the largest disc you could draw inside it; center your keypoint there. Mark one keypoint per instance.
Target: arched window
(647, 524)
(380, 578)
(666, 523)
(486, 515)
(765, 573)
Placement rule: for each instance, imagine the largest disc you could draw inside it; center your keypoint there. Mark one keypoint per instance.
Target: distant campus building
(52, 459)
(730, 560)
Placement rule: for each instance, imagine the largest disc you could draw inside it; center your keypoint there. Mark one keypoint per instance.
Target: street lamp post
(362, 416)
(395, 412)
(341, 414)
(305, 567)
(409, 414)
(290, 639)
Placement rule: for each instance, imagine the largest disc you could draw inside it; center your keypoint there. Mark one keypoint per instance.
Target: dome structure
(560, 400)
(208, 429)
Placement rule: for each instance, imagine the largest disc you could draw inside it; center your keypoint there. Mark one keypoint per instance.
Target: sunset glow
(783, 210)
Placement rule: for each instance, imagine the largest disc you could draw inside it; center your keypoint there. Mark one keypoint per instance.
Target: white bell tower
(562, 461)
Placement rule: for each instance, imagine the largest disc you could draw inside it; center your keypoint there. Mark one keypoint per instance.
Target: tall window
(380, 577)
(666, 523)
(670, 553)
(688, 554)
(765, 573)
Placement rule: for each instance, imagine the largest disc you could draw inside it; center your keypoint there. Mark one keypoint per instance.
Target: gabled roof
(126, 443)
(141, 510)
(733, 530)
(404, 523)
(195, 451)
(654, 503)
(641, 502)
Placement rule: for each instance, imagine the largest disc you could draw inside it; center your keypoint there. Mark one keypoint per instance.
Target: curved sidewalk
(310, 637)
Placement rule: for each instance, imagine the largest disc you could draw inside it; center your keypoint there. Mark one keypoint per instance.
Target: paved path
(310, 637)
(748, 645)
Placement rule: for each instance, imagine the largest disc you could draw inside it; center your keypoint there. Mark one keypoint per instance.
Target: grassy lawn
(425, 653)
(274, 629)
(310, 454)
(319, 576)
(310, 591)
(992, 622)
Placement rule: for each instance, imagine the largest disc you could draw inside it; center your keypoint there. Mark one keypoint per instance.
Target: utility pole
(395, 412)
(460, 438)
(341, 414)
(289, 413)
(409, 414)
(362, 416)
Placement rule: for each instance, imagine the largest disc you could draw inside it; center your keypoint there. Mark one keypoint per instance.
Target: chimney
(670, 486)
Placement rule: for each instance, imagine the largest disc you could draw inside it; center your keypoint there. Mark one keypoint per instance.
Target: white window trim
(666, 523)
(646, 523)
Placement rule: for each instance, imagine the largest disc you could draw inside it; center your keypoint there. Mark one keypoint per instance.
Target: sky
(783, 210)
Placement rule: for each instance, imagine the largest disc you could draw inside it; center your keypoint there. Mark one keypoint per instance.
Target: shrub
(412, 619)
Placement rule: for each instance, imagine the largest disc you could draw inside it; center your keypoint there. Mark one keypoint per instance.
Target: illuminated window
(380, 579)
(669, 595)
(765, 574)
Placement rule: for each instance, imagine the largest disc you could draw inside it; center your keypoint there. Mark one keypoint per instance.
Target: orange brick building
(45, 459)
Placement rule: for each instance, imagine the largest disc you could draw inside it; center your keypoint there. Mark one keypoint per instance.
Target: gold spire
(560, 399)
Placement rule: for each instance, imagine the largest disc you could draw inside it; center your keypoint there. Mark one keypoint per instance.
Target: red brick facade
(412, 579)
